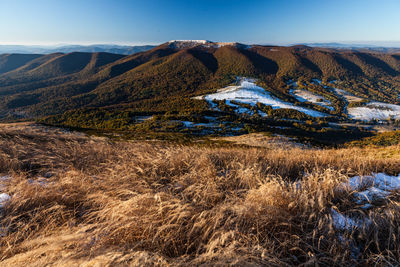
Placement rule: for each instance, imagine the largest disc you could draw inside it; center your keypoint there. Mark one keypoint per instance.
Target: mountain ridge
(160, 78)
(115, 49)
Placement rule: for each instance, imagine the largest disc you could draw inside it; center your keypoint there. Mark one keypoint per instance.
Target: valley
(203, 88)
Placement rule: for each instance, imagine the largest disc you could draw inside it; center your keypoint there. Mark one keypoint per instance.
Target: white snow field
(375, 110)
(307, 96)
(249, 93)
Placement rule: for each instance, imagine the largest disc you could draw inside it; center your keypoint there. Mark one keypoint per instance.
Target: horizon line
(60, 44)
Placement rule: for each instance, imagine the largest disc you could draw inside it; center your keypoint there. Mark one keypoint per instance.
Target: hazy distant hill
(116, 49)
(394, 48)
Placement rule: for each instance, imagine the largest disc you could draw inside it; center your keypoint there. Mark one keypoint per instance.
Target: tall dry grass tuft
(78, 200)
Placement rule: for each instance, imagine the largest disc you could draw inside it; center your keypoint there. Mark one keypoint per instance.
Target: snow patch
(248, 92)
(306, 96)
(366, 191)
(346, 95)
(189, 124)
(142, 118)
(375, 111)
(2, 180)
(292, 83)
(344, 222)
(5, 178)
(369, 189)
(379, 180)
(4, 198)
(317, 81)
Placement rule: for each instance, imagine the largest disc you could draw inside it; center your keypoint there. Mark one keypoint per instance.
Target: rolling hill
(9, 62)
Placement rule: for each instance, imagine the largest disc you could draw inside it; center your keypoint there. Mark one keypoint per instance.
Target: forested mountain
(167, 77)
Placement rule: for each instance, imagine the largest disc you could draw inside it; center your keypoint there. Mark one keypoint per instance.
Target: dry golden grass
(84, 201)
(262, 140)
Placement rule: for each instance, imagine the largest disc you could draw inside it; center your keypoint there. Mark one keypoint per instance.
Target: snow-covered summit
(204, 43)
(190, 41)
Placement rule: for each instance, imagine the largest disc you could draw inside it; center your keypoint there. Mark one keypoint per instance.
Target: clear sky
(155, 21)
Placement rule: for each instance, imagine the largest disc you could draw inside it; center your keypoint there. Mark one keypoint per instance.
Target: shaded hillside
(58, 65)
(9, 62)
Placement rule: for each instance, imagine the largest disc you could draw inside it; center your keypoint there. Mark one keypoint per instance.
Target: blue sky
(155, 21)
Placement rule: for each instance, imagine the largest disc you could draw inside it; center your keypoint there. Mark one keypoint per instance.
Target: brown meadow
(88, 201)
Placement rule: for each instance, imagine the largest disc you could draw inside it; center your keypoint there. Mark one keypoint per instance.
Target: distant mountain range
(130, 50)
(392, 48)
(115, 49)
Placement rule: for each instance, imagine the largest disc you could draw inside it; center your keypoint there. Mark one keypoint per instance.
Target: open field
(69, 200)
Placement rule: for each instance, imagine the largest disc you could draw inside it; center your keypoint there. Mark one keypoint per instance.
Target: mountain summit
(203, 43)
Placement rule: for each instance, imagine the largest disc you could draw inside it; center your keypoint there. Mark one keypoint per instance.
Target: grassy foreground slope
(86, 200)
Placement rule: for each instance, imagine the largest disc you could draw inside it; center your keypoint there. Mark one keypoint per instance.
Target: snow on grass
(189, 124)
(142, 118)
(4, 198)
(381, 181)
(367, 192)
(369, 189)
(249, 93)
(349, 223)
(346, 95)
(371, 111)
(306, 96)
(344, 222)
(3, 179)
(292, 83)
(317, 81)
(375, 111)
